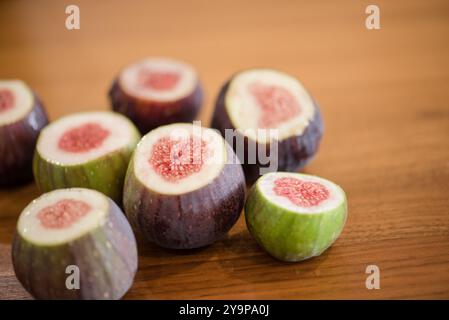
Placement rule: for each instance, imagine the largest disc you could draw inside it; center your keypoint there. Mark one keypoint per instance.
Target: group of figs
(181, 185)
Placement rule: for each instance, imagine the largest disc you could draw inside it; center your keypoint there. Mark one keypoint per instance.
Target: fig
(74, 244)
(89, 150)
(273, 117)
(157, 91)
(295, 216)
(184, 187)
(22, 116)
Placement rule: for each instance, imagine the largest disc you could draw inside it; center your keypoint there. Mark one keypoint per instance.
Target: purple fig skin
(191, 220)
(17, 144)
(106, 258)
(293, 152)
(148, 115)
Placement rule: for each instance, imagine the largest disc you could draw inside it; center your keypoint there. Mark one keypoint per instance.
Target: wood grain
(385, 101)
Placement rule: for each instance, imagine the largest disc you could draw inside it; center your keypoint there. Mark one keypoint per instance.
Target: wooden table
(385, 100)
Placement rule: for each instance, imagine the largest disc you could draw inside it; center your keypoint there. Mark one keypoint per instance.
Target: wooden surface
(385, 101)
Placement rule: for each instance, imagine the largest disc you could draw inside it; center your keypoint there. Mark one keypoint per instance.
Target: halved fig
(157, 91)
(89, 150)
(22, 116)
(295, 216)
(273, 116)
(184, 187)
(74, 244)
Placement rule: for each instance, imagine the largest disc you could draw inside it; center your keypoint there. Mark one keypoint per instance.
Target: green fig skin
(105, 174)
(290, 236)
(106, 258)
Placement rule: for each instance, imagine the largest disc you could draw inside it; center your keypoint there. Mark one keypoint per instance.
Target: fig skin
(17, 144)
(106, 258)
(294, 152)
(191, 220)
(148, 115)
(290, 236)
(105, 174)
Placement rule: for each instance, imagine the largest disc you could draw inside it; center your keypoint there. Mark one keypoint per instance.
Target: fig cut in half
(74, 244)
(184, 187)
(273, 117)
(22, 117)
(89, 150)
(295, 216)
(157, 91)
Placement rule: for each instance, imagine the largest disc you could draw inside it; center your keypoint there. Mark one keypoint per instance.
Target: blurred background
(384, 95)
(324, 43)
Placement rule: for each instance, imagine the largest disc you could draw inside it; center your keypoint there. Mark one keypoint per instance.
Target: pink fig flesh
(276, 103)
(63, 214)
(83, 138)
(7, 100)
(175, 159)
(301, 193)
(156, 80)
